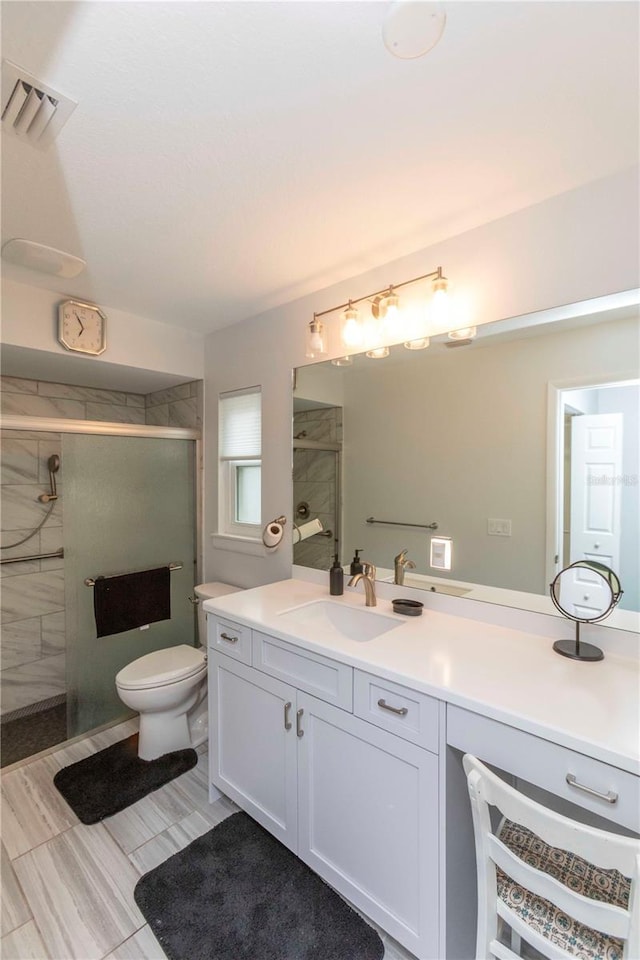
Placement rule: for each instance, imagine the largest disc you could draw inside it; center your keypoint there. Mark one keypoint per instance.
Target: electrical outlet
(498, 528)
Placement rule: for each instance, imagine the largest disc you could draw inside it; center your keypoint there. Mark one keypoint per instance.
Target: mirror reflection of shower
(317, 447)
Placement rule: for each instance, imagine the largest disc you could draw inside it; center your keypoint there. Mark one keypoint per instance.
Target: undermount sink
(354, 623)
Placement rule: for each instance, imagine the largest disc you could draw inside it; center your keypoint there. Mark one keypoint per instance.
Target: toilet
(168, 688)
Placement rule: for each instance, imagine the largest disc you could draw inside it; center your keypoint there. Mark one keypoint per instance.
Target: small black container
(408, 608)
(336, 578)
(356, 564)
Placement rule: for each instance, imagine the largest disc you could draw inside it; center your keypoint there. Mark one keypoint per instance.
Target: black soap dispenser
(336, 578)
(356, 564)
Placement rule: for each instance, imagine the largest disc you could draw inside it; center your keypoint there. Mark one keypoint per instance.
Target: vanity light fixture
(379, 353)
(464, 333)
(316, 339)
(352, 332)
(343, 362)
(421, 344)
(384, 323)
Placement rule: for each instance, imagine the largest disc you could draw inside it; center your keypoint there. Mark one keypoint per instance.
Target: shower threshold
(22, 736)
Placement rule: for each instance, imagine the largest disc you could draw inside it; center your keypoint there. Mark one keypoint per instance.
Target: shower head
(53, 465)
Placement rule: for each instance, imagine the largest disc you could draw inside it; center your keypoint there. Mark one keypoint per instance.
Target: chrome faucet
(368, 577)
(401, 564)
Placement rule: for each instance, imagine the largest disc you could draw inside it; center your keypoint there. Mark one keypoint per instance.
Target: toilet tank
(208, 591)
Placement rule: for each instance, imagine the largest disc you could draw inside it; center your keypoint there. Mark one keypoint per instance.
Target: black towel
(132, 600)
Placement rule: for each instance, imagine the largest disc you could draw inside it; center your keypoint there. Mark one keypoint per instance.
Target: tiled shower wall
(32, 661)
(32, 656)
(315, 481)
(179, 406)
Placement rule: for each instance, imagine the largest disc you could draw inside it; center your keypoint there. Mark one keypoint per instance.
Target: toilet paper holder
(272, 533)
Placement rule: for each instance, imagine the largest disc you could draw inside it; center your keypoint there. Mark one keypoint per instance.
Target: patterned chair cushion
(575, 873)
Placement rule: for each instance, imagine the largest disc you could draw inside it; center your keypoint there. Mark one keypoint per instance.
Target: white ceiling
(229, 156)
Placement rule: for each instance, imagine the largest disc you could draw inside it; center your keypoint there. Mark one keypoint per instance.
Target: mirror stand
(578, 650)
(599, 587)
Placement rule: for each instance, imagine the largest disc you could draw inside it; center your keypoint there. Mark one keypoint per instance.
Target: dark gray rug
(114, 778)
(236, 893)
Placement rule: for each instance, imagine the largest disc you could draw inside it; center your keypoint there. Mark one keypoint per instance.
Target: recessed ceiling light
(412, 27)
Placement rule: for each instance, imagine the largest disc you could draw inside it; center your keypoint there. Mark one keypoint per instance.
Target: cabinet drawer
(408, 714)
(230, 638)
(547, 765)
(324, 678)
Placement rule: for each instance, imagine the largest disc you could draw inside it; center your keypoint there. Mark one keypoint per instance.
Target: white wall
(29, 322)
(577, 246)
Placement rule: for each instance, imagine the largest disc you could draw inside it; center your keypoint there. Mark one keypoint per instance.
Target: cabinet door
(368, 820)
(252, 755)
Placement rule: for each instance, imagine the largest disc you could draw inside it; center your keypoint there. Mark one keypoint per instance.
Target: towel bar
(59, 554)
(90, 581)
(396, 523)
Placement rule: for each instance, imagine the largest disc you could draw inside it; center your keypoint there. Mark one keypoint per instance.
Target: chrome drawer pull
(225, 636)
(610, 797)
(287, 722)
(299, 730)
(401, 711)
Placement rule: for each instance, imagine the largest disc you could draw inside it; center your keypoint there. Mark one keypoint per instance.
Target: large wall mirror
(521, 445)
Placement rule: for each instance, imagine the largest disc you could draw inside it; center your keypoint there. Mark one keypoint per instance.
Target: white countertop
(502, 673)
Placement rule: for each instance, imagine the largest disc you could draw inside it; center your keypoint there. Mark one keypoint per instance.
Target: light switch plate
(498, 528)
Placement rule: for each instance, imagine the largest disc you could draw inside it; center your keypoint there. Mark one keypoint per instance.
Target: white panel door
(252, 744)
(368, 820)
(596, 465)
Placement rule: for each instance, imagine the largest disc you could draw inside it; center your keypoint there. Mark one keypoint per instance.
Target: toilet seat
(162, 667)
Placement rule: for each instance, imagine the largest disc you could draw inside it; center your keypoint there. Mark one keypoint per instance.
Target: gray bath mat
(236, 893)
(114, 778)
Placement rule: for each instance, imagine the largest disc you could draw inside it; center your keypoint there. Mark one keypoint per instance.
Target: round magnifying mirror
(586, 591)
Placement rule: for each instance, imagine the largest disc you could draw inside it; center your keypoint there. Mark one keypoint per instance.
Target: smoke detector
(32, 110)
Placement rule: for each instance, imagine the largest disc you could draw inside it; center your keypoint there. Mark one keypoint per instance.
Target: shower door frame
(110, 429)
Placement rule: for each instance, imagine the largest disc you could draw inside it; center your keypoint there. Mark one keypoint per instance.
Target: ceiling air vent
(30, 109)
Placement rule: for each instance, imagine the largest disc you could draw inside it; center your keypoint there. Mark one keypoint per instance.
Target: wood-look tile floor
(67, 888)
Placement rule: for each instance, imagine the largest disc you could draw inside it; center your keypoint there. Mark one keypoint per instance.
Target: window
(240, 452)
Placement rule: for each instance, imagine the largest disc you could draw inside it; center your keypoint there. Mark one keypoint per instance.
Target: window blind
(241, 424)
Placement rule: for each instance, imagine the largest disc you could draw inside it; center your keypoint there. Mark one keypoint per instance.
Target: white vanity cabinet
(356, 802)
(252, 747)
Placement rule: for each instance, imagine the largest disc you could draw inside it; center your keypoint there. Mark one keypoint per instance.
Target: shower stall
(82, 500)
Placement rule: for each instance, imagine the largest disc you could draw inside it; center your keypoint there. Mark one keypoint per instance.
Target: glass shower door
(129, 505)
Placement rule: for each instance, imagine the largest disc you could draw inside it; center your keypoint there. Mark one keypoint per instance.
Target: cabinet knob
(287, 722)
(225, 636)
(299, 730)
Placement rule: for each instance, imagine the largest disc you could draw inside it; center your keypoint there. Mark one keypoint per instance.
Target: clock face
(82, 327)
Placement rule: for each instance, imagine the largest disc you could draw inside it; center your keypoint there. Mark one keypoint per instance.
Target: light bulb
(420, 344)
(440, 304)
(352, 332)
(315, 342)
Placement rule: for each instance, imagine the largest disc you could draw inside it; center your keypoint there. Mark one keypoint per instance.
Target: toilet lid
(162, 667)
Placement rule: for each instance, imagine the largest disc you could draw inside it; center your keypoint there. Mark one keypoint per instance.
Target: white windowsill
(253, 546)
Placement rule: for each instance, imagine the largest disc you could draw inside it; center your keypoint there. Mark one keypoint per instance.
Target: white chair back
(512, 888)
